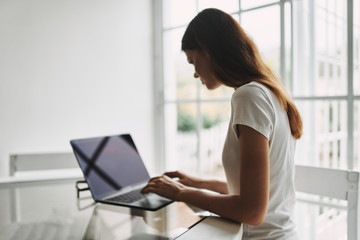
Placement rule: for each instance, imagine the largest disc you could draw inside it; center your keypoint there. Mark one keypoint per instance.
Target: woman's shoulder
(250, 90)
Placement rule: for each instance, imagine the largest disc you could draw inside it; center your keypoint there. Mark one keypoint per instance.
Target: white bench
(43, 166)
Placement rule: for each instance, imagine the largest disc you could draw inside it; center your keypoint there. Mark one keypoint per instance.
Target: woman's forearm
(213, 185)
(228, 206)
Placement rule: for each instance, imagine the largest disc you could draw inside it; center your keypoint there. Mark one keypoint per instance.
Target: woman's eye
(190, 62)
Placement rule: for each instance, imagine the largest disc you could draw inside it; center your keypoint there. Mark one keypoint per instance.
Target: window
(313, 45)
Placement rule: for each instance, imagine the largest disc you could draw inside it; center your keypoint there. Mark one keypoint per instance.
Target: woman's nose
(196, 75)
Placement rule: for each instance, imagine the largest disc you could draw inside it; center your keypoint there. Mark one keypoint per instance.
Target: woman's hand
(210, 184)
(164, 186)
(184, 178)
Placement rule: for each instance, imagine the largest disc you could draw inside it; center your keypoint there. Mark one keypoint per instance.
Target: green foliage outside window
(187, 122)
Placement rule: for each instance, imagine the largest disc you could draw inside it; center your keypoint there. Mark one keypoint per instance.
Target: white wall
(74, 68)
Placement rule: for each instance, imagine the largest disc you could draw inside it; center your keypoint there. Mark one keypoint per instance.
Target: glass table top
(51, 210)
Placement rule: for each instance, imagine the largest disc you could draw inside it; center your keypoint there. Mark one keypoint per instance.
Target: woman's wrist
(184, 193)
(202, 183)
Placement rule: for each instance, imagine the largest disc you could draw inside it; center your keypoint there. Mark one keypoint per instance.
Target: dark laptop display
(112, 166)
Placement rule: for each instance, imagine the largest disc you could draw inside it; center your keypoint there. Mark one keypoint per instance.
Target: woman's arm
(250, 206)
(209, 184)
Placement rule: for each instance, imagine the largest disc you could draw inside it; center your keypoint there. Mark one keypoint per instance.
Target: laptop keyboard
(128, 197)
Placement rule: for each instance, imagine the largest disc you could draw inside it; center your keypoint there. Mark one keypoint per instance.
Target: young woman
(258, 154)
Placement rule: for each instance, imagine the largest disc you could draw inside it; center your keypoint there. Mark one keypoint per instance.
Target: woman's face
(202, 65)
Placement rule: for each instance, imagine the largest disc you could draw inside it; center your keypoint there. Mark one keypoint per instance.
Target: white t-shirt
(254, 105)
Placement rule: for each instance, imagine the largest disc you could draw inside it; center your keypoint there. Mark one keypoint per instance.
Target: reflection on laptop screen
(110, 163)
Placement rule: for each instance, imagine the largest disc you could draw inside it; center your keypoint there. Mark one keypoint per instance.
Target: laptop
(115, 172)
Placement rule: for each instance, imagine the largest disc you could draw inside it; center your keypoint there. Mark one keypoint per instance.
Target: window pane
(181, 136)
(357, 134)
(179, 82)
(266, 34)
(357, 47)
(178, 12)
(320, 49)
(191, 150)
(215, 122)
(228, 6)
(245, 4)
(325, 134)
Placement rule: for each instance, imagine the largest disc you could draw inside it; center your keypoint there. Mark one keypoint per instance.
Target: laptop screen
(109, 163)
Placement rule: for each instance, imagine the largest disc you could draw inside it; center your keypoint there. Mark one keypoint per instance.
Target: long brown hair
(235, 58)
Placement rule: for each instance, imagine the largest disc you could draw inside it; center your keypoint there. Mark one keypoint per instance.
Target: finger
(154, 178)
(150, 184)
(147, 190)
(166, 179)
(174, 174)
(153, 189)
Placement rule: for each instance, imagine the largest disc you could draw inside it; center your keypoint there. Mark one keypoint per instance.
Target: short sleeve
(252, 107)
